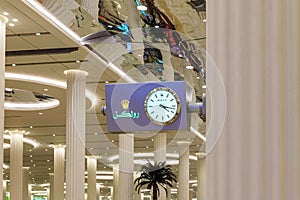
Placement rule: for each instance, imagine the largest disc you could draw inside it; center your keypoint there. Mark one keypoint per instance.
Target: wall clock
(162, 106)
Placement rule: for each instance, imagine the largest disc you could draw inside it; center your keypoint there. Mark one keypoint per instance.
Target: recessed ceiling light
(11, 24)
(53, 135)
(13, 65)
(204, 86)
(49, 168)
(197, 77)
(37, 34)
(5, 13)
(48, 160)
(147, 147)
(78, 61)
(91, 148)
(33, 165)
(189, 67)
(204, 20)
(30, 156)
(46, 149)
(106, 81)
(15, 20)
(40, 113)
(31, 160)
(30, 150)
(112, 141)
(30, 126)
(141, 7)
(46, 90)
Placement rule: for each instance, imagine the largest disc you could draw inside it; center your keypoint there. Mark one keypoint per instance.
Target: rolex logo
(125, 104)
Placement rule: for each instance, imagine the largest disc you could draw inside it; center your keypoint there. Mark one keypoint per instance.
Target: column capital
(57, 146)
(3, 19)
(201, 155)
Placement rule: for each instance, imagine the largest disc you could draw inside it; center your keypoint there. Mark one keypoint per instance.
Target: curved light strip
(26, 140)
(31, 106)
(46, 81)
(147, 155)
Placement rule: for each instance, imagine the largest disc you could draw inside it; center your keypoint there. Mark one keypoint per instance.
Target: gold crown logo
(125, 104)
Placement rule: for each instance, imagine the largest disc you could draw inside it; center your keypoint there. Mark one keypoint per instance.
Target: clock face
(162, 106)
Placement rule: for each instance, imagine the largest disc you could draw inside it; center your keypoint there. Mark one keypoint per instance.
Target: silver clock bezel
(177, 112)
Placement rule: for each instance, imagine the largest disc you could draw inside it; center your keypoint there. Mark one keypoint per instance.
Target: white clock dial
(162, 106)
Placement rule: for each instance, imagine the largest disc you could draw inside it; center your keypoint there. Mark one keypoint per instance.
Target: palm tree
(155, 175)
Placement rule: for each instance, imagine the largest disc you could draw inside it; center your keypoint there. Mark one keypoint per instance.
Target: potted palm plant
(155, 175)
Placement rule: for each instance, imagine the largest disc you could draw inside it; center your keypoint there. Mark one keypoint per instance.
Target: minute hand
(166, 107)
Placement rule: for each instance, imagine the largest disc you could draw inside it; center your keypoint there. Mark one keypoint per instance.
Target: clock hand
(164, 107)
(167, 107)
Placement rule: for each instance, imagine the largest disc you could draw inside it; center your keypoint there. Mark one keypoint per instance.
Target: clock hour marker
(168, 116)
(161, 94)
(152, 112)
(151, 100)
(172, 111)
(172, 100)
(155, 95)
(162, 117)
(156, 116)
(150, 106)
(167, 95)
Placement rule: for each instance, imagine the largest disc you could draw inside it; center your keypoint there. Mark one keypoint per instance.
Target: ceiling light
(33, 165)
(109, 26)
(46, 90)
(48, 160)
(204, 20)
(78, 61)
(156, 26)
(95, 133)
(30, 126)
(49, 168)
(11, 24)
(189, 67)
(13, 64)
(37, 34)
(40, 113)
(112, 141)
(5, 13)
(15, 20)
(141, 8)
(197, 77)
(204, 86)
(30, 156)
(46, 149)
(53, 135)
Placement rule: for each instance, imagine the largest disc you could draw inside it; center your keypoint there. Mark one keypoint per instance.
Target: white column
(183, 170)
(136, 195)
(25, 183)
(4, 189)
(48, 193)
(91, 179)
(116, 182)
(126, 145)
(16, 165)
(59, 172)
(201, 176)
(160, 151)
(51, 180)
(75, 134)
(98, 191)
(29, 191)
(255, 46)
(3, 21)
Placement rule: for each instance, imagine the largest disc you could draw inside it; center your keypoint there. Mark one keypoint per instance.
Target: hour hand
(164, 107)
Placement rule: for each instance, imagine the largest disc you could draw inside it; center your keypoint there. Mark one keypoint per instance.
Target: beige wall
(255, 45)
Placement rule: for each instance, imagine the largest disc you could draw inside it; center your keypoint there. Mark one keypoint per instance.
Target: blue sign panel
(152, 106)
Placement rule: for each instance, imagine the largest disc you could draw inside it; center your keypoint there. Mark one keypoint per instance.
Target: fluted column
(255, 45)
(16, 165)
(126, 145)
(3, 21)
(75, 134)
(183, 170)
(115, 182)
(25, 183)
(98, 191)
(91, 179)
(4, 189)
(29, 191)
(51, 180)
(160, 151)
(201, 176)
(59, 172)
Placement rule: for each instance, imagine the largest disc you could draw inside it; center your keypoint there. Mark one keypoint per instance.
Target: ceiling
(36, 47)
